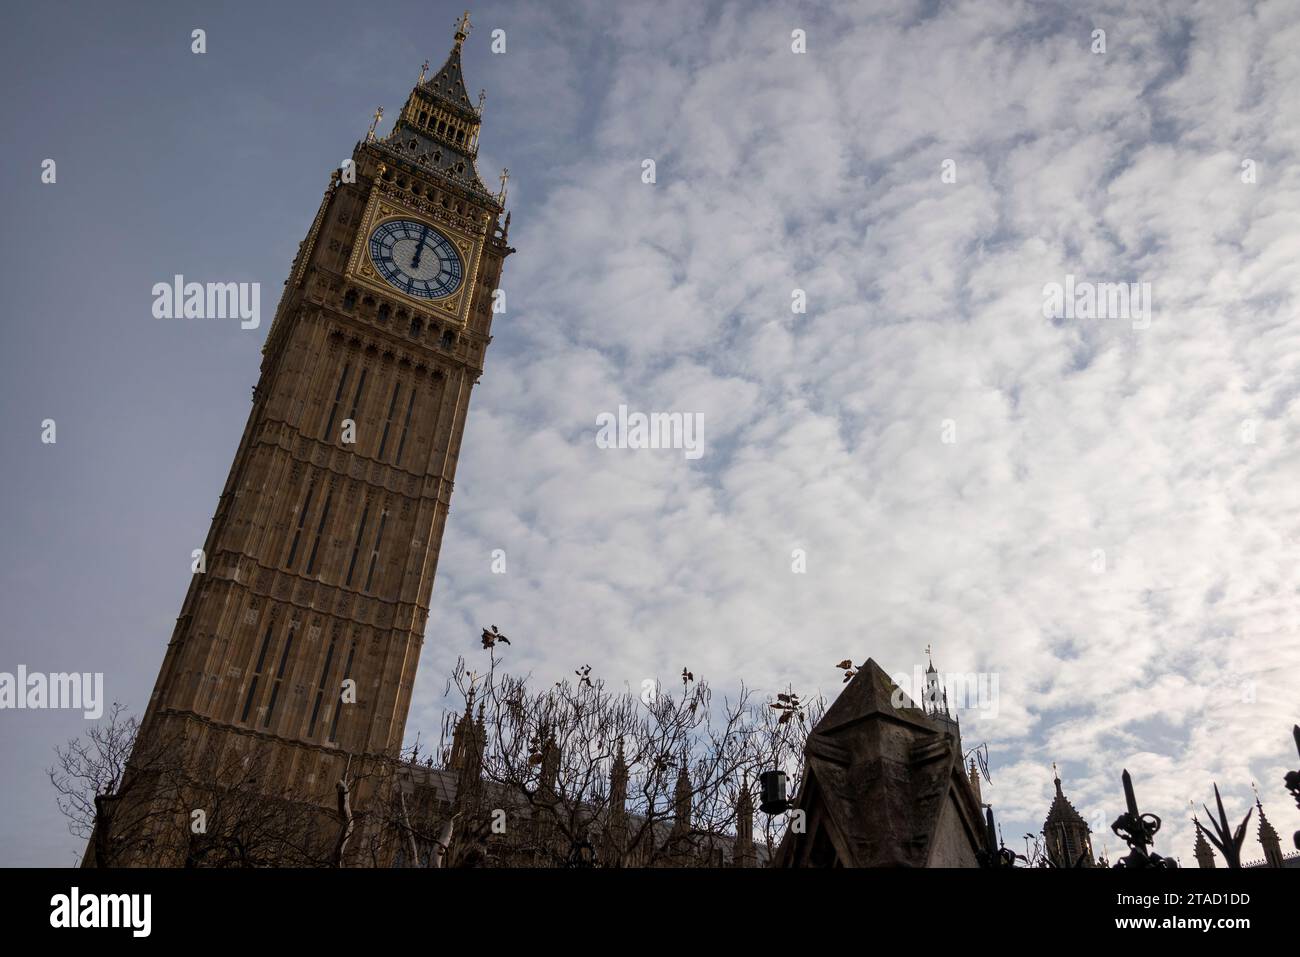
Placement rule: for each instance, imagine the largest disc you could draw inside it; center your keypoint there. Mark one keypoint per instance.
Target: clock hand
(419, 248)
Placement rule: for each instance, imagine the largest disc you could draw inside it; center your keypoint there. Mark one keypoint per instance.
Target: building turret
(682, 803)
(1268, 838)
(1202, 851)
(547, 845)
(934, 702)
(743, 853)
(615, 837)
(1066, 833)
(463, 738)
(467, 748)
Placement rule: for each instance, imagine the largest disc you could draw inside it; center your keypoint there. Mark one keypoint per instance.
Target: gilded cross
(505, 178)
(379, 112)
(424, 68)
(462, 28)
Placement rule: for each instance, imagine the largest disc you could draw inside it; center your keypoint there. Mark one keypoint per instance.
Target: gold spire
(379, 112)
(424, 68)
(462, 29)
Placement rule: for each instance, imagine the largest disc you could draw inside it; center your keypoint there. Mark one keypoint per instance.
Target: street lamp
(772, 792)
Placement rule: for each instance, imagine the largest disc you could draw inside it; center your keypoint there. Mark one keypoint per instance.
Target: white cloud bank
(823, 431)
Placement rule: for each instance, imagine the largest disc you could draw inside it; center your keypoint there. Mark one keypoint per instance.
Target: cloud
(1099, 534)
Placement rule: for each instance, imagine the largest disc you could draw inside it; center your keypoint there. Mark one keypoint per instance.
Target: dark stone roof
(415, 146)
(448, 85)
(409, 143)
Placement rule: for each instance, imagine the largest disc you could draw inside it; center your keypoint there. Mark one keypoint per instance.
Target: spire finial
(424, 68)
(505, 178)
(482, 95)
(462, 29)
(379, 113)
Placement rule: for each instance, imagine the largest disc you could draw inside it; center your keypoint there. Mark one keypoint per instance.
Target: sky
(1098, 511)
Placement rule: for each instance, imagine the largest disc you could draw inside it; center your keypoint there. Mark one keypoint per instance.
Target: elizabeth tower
(302, 635)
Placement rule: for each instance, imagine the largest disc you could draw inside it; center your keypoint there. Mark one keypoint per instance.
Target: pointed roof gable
(448, 84)
(871, 692)
(886, 778)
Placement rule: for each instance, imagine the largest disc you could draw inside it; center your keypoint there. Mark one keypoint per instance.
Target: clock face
(415, 258)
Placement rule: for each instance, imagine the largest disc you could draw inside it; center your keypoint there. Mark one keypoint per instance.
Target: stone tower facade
(303, 633)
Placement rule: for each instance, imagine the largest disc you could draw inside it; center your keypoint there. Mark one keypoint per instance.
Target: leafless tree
(579, 771)
(146, 800)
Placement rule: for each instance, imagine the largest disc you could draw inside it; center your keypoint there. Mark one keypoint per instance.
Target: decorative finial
(482, 95)
(424, 68)
(379, 113)
(505, 178)
(462, 29)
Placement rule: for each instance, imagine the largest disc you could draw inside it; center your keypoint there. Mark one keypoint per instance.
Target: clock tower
(299, 641)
